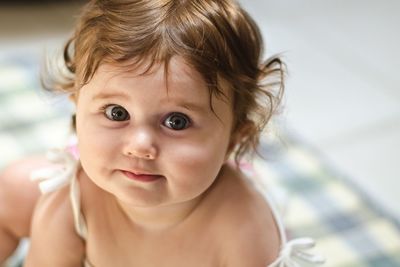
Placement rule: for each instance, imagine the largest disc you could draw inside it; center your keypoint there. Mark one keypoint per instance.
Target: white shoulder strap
(294, 252)
(61, 173)
(75, 197)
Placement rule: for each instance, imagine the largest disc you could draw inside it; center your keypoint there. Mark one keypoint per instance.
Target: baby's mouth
(142, 177)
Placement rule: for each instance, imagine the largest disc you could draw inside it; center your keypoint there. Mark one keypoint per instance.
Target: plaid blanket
(317, 201)
(314, 199)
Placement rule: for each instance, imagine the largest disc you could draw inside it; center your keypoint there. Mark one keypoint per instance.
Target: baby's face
(148, 145)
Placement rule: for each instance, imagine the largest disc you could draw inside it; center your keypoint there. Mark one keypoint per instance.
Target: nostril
(148, 155)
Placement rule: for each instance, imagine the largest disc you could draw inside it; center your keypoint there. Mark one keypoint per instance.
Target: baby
(167, 92)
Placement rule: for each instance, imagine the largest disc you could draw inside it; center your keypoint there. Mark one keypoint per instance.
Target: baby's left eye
(177, 121)
(116, 113)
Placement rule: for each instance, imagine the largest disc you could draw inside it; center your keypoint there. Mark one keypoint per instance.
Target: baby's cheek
(190, 156)
(196, 164)
(95, 148)
(198, 154)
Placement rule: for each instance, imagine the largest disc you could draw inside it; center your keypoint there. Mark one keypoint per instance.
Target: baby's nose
(140, 143)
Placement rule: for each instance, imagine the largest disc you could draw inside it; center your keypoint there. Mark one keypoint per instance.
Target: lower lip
(142, 177)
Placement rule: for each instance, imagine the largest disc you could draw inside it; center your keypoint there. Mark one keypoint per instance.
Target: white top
(293, 253)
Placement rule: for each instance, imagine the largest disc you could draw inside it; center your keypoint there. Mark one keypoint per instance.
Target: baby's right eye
(116, 113)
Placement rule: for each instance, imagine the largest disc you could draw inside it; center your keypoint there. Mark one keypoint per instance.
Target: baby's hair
(216, 37)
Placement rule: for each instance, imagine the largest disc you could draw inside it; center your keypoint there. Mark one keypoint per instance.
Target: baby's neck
(159, 218)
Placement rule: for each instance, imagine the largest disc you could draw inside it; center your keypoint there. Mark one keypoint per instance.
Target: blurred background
(342, 93)
(343, 89)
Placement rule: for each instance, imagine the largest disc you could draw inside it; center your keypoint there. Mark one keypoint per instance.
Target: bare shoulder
(54, 241)
(246, 226)
(17, 188)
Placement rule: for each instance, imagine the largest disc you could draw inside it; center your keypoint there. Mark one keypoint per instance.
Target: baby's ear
(238, 134)
(73, 97)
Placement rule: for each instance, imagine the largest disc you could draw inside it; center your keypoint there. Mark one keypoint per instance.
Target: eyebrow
(186, 104)
(192, 106)
(178, 102)
(103, 95)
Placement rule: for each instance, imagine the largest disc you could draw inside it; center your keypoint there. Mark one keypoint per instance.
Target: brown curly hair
(216, 37)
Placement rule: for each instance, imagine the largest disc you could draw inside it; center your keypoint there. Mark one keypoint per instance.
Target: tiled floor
(343, 94)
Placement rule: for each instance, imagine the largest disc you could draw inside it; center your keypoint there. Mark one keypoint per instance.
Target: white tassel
(57, 176)
(294, 253)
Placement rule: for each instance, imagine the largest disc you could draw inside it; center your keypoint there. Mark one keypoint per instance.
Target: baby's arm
(249, 248)
(54, 241)
(18, 196)
(252, 236)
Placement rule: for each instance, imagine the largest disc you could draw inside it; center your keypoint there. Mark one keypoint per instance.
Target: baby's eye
(177, 121)
(116, 113)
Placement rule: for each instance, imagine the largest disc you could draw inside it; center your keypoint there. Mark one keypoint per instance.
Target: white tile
(372, 162)
(325, 99)
(342, 61)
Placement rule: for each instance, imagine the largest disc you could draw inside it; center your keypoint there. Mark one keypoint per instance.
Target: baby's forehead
(175, 74)
(176, 69)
